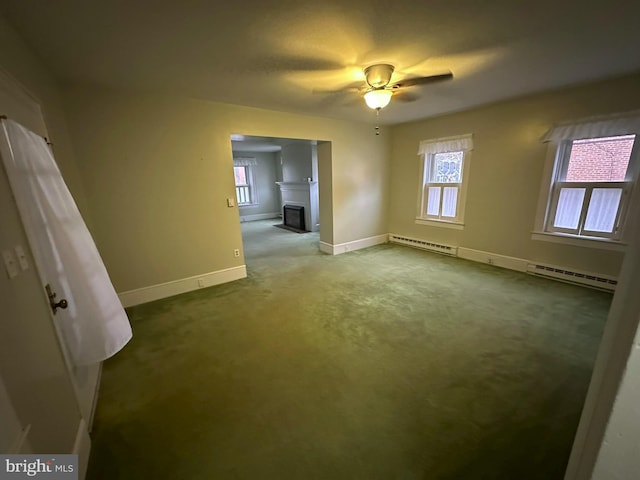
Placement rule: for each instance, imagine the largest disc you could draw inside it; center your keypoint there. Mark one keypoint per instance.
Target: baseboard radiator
(424, 245)
(597, 281)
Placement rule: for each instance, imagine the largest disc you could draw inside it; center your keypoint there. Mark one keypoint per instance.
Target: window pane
(240, 175)
(449, 201)
(603, 208)
(600, 159)
(433, 201)
(447, 167)
(243, 194)
(569, 208)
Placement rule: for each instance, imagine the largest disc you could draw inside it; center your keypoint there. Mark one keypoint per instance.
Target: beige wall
(506, 171)
(157, 171)
(19, 62)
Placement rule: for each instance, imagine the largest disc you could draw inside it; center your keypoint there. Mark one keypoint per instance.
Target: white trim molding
(258, 216)
(554, 180)
(428, 181)
(82, 448)
(96, 393)
(576, 241)
(504, 261)
(439, 223)
(338, 248)
(183, 285)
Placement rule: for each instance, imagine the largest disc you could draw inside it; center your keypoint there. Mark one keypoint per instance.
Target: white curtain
(609, 126)
(244, 162)
(569, 208)
(449, 201)
(446, 144)
(94, 326)
(603, 207)
(433, 200)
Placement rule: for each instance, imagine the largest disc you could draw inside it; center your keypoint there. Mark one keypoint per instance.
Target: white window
(444, 174)
(243, 174)
(595, 167)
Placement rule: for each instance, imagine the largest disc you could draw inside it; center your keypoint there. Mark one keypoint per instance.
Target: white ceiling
(273, 53)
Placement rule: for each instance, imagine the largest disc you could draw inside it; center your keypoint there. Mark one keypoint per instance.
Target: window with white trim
(444, 174)
(594, 171)
(243, 174)
(243, 185)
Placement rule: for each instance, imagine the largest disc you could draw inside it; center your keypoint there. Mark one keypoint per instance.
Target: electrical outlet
(236, 252)
(201, 282)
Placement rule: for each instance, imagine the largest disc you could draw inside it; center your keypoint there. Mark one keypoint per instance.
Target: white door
(18, 105)
(39, 391)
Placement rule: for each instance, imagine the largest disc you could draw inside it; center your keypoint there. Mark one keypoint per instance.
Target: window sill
(439, 223)
(241, 205)
(589, 242)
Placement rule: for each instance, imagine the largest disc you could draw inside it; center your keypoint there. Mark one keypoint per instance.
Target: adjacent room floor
(384, 363)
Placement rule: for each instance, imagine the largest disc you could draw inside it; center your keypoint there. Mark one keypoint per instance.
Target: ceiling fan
(378, 91)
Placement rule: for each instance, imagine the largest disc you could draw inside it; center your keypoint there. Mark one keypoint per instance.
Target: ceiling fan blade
(410, 82)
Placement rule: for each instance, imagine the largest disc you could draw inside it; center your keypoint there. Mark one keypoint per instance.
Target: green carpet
(384, 363)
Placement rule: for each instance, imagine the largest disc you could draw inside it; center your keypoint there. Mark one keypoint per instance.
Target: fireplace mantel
(304, 194)
(296, 184)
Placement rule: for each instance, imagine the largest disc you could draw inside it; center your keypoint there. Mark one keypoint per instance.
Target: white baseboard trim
(176, 287)
(259, 216)
(512, 263)
(326, 248)
(95, 398)
(82, 448)
(354, 245)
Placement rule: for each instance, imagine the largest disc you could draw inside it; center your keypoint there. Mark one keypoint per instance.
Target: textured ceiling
(272, 54)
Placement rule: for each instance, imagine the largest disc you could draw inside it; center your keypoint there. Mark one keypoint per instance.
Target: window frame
(557, 160)
(426, 169)
(253, 200)
(580, 230)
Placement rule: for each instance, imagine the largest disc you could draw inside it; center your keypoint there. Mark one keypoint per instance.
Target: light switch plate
(10, 263)
(22, 258)
(230, 202)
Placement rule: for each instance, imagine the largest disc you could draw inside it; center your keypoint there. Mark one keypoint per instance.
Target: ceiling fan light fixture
(377, 99)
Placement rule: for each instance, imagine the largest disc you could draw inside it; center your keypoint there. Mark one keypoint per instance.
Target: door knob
(52, 300)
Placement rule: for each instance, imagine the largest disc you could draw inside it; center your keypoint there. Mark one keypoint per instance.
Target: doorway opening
(277, 182)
